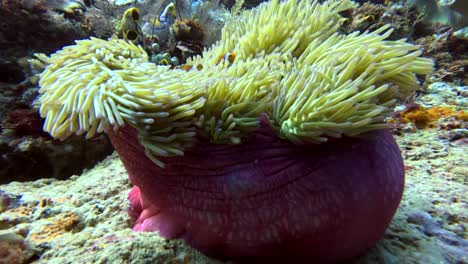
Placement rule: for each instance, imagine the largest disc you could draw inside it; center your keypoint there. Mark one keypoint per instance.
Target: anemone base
(268, 199)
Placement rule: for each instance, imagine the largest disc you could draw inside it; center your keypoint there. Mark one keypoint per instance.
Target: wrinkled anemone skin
(268, 199)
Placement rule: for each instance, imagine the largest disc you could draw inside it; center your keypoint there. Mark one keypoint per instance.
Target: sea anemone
(282, 152)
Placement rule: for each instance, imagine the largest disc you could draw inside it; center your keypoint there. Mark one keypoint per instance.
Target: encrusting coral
(220, 152)
(311, 81)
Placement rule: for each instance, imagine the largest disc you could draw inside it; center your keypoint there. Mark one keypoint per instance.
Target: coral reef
(83, 220)
(102, 18)
(450, 55)
(27, 158)
(211, 15)
(23, 122)
(181, 28)
(406, 21)
(190, 36)
(41, 26)
(38, 26)
(266, 87)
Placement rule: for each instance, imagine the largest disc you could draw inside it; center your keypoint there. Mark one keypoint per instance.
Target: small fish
(168, 15)
(160, 26)
(228, 56)
(166, 18)
(129, 24)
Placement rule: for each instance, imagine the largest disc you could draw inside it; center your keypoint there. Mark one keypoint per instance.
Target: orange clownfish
(228, 56)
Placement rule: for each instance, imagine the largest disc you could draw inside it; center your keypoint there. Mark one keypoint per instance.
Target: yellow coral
(55, 227)
(291, 64)
(422, 117)
(461, 115)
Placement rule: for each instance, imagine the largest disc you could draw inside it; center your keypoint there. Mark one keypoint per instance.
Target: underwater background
(65, 201)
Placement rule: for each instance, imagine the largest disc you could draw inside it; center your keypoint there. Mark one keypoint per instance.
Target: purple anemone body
(267, 199)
